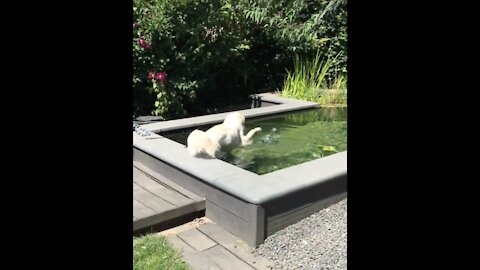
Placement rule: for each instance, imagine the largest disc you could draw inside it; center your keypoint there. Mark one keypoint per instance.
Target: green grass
(307, 82)
(154, 252)
(335, 93)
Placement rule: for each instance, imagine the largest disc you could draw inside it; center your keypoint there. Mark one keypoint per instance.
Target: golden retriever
(222, 137)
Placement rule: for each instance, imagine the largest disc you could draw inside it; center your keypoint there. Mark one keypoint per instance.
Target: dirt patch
(187, 226)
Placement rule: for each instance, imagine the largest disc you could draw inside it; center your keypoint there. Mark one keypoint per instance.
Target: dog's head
(234, 120)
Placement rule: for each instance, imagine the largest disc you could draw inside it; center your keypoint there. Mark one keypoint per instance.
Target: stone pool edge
(247, 209)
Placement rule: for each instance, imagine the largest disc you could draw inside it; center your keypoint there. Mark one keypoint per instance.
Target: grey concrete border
(262, 193)
(284, 105)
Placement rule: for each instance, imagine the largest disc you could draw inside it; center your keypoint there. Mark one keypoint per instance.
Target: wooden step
(158, 200)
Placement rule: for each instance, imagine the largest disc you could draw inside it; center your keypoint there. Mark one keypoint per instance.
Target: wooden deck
(208, 246)
(157, 200)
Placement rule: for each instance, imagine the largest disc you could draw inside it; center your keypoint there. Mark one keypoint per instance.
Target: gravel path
(316, 242)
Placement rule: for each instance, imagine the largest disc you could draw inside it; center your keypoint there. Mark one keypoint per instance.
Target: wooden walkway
(207, 246)
(157, 200)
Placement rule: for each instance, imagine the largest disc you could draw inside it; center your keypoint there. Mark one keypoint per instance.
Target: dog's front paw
(257, 129)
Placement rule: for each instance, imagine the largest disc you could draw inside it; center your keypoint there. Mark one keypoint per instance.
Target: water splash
(271, 137)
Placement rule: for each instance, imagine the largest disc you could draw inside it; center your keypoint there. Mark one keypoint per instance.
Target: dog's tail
(195, 142)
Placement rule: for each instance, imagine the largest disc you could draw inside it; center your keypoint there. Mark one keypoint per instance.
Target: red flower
(143, 43)
(162, 76)
(151, 75)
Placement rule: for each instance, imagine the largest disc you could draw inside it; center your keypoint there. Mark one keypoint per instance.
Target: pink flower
(162, 76)
(143, 43)
(151, 75)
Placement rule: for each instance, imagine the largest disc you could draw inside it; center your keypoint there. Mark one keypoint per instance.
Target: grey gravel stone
(316, 242)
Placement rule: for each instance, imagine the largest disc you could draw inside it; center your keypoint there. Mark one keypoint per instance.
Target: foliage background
(216, 52)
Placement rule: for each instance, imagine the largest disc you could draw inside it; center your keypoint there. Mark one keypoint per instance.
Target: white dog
(222, 137)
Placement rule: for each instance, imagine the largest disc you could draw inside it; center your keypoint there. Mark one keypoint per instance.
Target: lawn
(155, 252)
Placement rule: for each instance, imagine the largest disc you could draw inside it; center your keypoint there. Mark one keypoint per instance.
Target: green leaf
(227, 6)
(329, 148)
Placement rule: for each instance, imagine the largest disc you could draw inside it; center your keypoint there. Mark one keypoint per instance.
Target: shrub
(217, 52)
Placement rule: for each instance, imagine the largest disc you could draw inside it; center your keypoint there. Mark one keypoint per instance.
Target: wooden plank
(225, 259)
(235, 206)
(183, 227)
(158, 198)
(168, 215)
(179, 244)
(167, 182)
(194, 184)
(140, 210)
(229, 222)
(195, 259)
(159, 190)
(150, 200)
(294, 201)
(291, 217)
(235, 246)
(196, 239)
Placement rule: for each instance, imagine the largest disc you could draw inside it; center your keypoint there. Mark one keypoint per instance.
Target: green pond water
(287, 139)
